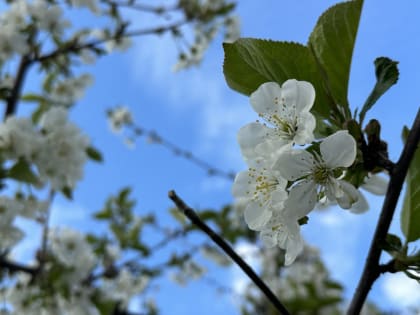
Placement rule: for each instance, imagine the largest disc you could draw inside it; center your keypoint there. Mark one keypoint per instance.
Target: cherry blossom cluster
(284, 183)
(57, 147)
(42, 14)
(75, 261)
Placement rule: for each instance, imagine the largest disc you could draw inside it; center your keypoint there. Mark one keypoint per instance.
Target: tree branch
(372, 270)
(75, 47)
(15, 267)
(17, 87)
(190, 213)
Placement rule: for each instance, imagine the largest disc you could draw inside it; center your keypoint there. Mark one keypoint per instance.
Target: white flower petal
(333, 189)
(249, 136)
(361, 205)
(305, 128)
(270, 150)
(256, 215)
(264, 99)
(350, 195)
(241, 185)
(302, 199)
(295, 164)
(269, 238)
(376, 185)
(300, 94)
(293, 249)
(338, 149)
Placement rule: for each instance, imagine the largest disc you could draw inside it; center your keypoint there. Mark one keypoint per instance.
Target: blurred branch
(190, 213)
(372, 269)
(158, 9)
(155, 138)
(17, 86)
(15, 267)
(75, 46)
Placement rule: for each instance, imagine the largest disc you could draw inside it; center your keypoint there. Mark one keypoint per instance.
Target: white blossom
(374, 184)
(262, 190)
(63, 154)
(12, 42)
(124, 286)
(90, 4)
(119, 117)
(232, 26)
(18, 138)
(68, 91)
(316, 175)
(283, 230)
(48, 17)
(285, 112)
(71, 249)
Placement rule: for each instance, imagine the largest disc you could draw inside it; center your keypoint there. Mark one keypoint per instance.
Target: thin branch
(155, 138)
(75, 47)
(372, 269)
(158, 9)
(190, 213)
(17, 86)
(15, 267)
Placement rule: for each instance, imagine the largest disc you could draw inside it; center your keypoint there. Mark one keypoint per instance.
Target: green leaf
(410, 215)
(67, 192)
(94, 154)
(251, 62)
(21, 171)
(178, 215)
(332, 43)
(387, 73)
(31, 97)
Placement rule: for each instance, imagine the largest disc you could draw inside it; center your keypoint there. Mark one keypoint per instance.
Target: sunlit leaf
(251, 62)
(332, 42)
(387, 73)
(410, 215)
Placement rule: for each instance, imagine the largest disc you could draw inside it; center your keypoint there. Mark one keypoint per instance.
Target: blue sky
(198, 111)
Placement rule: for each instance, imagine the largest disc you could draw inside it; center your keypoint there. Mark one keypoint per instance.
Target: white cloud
(402, 291)
(199, 93)
(70, 214)
(250, 254)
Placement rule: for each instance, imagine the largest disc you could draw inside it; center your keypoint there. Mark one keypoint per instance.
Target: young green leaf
(251, 62)
(386, 71)
(410, 215)
(94, 154)
(332, 42)
(22, 172)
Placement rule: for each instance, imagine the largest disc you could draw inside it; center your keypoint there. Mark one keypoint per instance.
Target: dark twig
(190, 213)
(155, 138)
(17, 87)
(157, 9)
(372, 269)
(12, 267)
(75, 47)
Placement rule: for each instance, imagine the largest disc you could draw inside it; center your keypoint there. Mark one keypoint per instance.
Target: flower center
(321, 174)
(263, 185)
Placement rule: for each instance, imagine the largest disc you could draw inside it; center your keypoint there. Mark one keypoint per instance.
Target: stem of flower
(190, 213)
(372, 269)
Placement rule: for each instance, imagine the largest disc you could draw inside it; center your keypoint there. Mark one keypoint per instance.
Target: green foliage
(251, 62)
(21, 171)
(410, 215)
(325, 62)
(332, 42)
(125, 226)
(392, 244)
(387, 73)
(94, 154)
